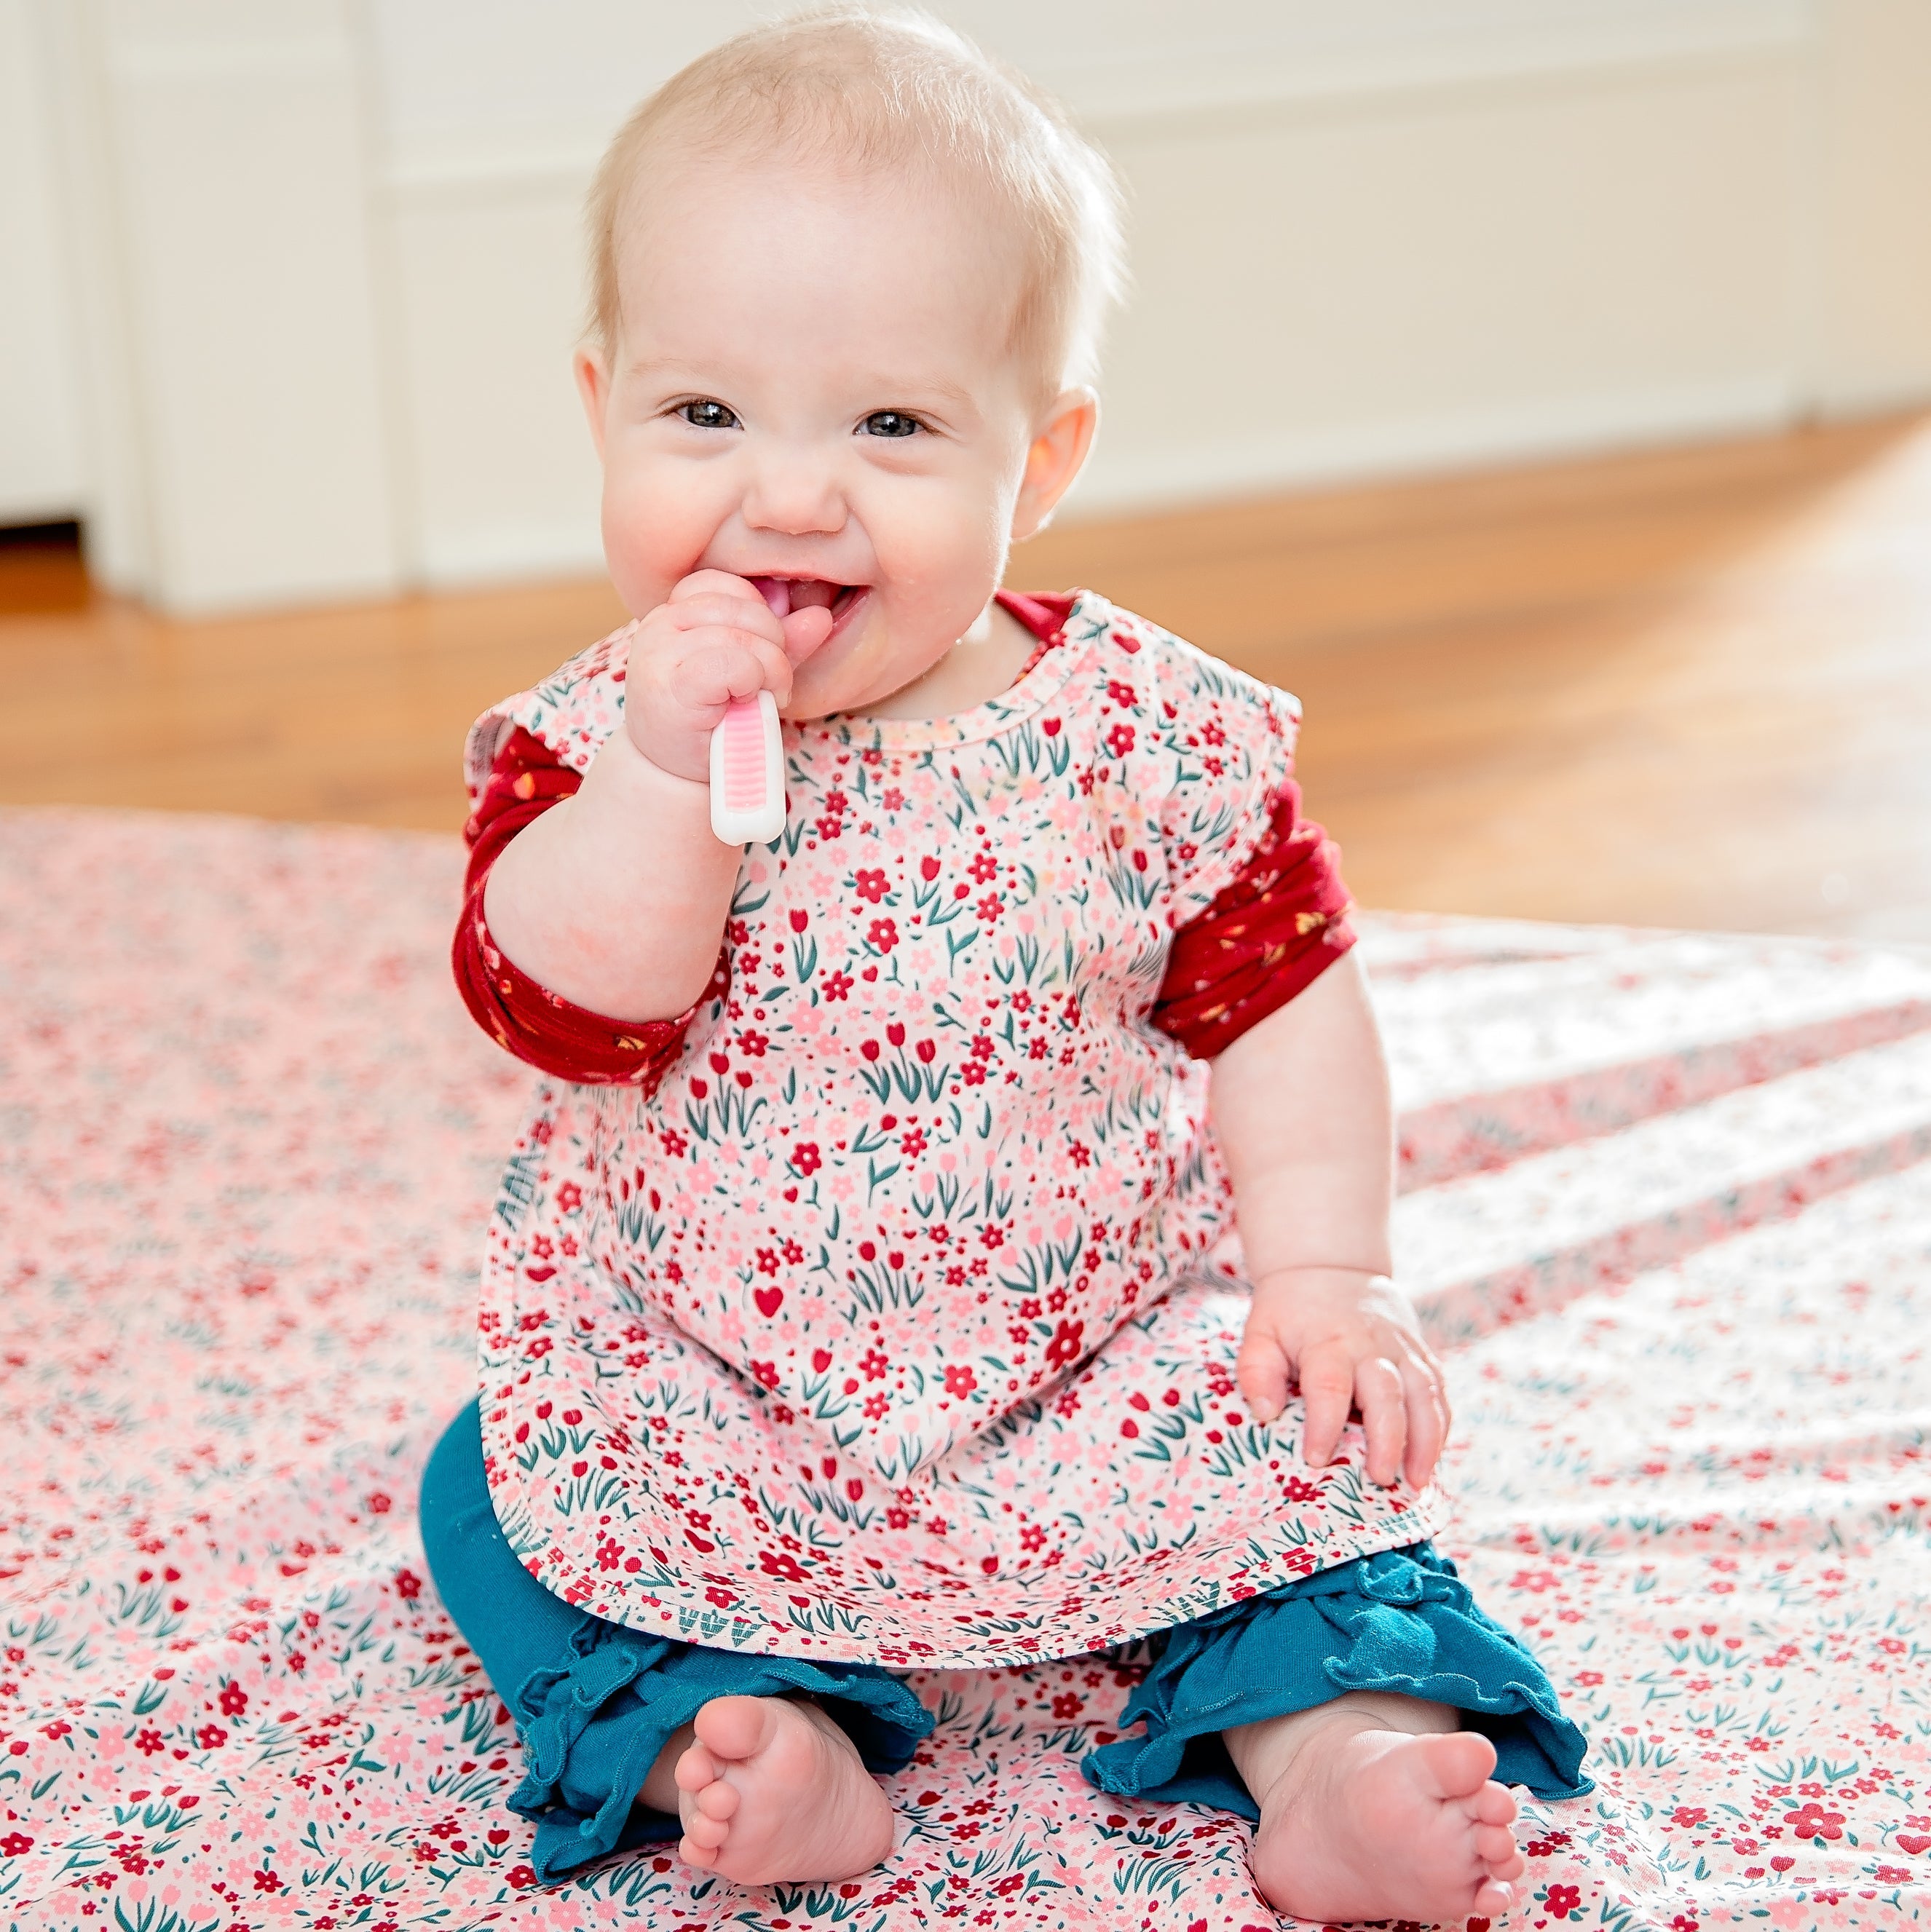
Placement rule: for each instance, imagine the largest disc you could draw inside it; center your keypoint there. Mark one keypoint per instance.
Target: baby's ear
(593, 385)
(1057, 450)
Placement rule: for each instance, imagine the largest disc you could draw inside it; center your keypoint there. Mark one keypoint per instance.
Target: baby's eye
(891, 422)
(707, 414)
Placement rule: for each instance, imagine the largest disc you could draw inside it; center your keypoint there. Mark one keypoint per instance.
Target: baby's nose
(794, 496)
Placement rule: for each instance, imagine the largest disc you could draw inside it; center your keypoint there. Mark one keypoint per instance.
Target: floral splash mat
(1666, 1204)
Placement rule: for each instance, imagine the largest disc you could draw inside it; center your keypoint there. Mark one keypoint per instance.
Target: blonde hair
(894, 90)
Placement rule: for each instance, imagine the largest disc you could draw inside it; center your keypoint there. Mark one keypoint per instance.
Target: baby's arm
(1302, 1109)
(616, 898)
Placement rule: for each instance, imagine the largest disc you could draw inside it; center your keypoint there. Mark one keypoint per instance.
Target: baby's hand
(713, 639)
(1351, 1338)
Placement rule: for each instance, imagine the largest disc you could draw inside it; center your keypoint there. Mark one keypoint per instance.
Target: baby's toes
(1495, 1845)
(695, 1769)
(1495, 1897)
(1495, 1804)
(706, 1832)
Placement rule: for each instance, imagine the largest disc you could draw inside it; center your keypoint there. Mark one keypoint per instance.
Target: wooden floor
(1690, 688)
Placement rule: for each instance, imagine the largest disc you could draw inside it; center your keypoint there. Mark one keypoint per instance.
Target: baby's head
(848, 280)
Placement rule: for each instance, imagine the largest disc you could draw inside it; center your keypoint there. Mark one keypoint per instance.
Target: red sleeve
(1266, 937)
(530, 1020)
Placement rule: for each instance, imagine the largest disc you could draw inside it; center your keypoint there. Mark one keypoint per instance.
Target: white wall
(1367, 238)
(43, 459)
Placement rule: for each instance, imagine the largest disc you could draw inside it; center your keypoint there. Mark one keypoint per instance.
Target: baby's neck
(985, 662)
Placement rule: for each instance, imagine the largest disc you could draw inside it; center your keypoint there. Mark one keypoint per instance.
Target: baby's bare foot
(1367, 1823)
(772, 1792)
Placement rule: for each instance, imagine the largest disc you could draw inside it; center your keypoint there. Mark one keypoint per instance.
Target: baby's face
(811, 384)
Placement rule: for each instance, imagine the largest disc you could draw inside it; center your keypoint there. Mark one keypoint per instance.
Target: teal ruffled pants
(594, 1701)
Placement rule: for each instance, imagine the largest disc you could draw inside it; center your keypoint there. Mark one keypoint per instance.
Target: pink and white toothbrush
(747, 772)
(747, 755)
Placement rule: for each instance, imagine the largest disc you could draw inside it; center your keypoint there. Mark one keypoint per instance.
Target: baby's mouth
(787, 594)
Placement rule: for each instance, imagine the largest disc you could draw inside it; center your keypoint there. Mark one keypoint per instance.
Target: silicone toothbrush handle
(747, 772)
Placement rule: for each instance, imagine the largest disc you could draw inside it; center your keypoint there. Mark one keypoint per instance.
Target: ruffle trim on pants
(592, 1729)
(1399, 1620)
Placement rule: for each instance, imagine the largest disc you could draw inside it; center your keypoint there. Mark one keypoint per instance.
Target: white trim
(521, 552)
(1624, 38)
(1211, 91)
(1201, 473)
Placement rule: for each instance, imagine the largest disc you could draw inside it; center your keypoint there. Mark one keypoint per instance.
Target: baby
(956, 1233)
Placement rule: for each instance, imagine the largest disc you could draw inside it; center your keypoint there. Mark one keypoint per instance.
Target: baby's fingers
(737, 664)
(1427, 1418)
(1261, 1368)
(1327, 1393)
(1383, 1401)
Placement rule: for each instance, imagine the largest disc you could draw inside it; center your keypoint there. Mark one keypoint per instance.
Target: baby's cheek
(653, 535)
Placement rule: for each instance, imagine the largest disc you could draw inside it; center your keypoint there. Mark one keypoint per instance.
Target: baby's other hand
(713, 639)
(1351, 1340)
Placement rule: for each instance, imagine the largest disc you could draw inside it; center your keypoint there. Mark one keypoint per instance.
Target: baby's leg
(1377, 1806)
(771, 1791)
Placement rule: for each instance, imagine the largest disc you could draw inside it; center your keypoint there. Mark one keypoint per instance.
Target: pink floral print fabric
(1667, 1201)
(896, 1321)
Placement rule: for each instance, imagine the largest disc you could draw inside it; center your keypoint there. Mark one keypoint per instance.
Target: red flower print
(148, 1742)
(805, 1157)
(569, 1198)
(989, 908)
(1120, 693)
(211, 1737)
(1065, 1345)
(869, 885)
(837, 984)
(925, 1049)
(408, 1586)
(799, 920)
(754, 1044)
(781, 1564)
(1067, 1706)
(234, 1700)
(764, 1374)
(1563, 1900)
(896, 1034)
(1688, 1816)
(882, 934)
(984, 868)
(960, 1380)
(1119, 739)
(14, 1844)
(874, 1362)
(522, 1877)
(1814, 1821)
(721, 1598)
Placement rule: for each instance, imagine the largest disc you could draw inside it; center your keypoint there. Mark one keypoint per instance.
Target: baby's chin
(865, 674)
